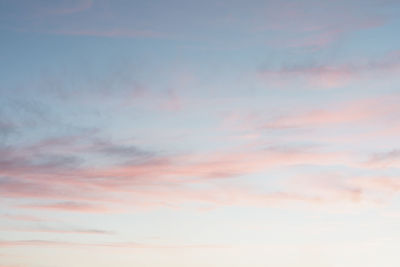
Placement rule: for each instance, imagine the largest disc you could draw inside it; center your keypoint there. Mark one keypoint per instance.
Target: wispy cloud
(69, 206)
(6, 127)
(133, 176)
(306, 24)
(385, 159)
(65, 7)
(156, 181)
(345, 188)
(366, 112)
(132, 245)
(49, 18)
(22, 217)
(332, 76)
(59, 230)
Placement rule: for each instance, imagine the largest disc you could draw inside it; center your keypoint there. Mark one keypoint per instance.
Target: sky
(218, 133)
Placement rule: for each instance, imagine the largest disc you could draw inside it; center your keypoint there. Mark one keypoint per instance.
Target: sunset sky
(212, 133)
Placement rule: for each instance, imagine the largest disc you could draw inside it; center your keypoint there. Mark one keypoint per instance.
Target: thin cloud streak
(131, 245)
(333, 76)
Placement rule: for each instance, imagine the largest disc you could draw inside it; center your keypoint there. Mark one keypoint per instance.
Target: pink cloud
(307, 24)
(338, 188)
(332, 76)
(329, 187)
(364, 111)
(174, 180)
(384, 185)
(170, 182)
(357, 119)
(69, 206)
(316, 77)
(354, 122)
(385, 159)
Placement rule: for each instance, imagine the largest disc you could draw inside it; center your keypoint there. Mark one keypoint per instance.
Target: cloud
(291, 24)
(315, 76)
(19, 217)
(127, 151)
(60, 230)
(37, 243)
(385, 159)
(28, 10)
(69, 206)
(172, 101)
(31, 243)
(6, 127)
(132, 177)
(84, 17)
(13, 163)
(158, 181)
(306, 24)
(351, 112)
(345, 188)
(16, 188)
(65, 7)
(61, 155)
(332, 76)
(330, 188)
(385, 185)
(372, 114)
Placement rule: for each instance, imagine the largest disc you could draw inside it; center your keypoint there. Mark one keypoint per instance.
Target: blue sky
(199, 133)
